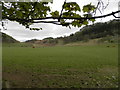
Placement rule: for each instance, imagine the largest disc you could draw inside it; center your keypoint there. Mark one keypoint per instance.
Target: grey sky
(20, 33)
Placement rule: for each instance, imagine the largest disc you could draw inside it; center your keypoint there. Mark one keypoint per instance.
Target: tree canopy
(28, 13)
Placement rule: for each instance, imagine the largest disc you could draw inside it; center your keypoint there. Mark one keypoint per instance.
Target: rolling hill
(100, 32)
(8, 39)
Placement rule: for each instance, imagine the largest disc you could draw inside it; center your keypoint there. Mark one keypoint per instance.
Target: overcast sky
(20, 33)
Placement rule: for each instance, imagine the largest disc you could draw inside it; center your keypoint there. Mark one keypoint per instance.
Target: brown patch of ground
(25, 80)
(108, 69)
(15, 79)
(70, 79)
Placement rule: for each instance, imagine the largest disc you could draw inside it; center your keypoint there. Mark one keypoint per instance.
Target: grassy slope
(90, 43)
(68, 66)
(8, 39)
(21, 44)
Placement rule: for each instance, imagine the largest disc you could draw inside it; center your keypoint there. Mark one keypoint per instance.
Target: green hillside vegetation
(107, 31)
(103, 32)
(31, 41)
(8, 39)
(97, 33)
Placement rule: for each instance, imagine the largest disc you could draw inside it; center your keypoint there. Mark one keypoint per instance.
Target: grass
(94, 66)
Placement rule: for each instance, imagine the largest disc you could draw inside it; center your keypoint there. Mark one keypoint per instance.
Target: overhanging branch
(77, 18)
(53, 22)
(116, 16)
(103, 16)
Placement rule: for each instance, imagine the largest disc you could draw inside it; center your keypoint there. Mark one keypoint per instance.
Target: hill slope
(101, 32)
(8, 39)
(108, 30)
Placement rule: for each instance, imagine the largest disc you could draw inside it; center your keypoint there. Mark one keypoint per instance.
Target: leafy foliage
(88, 8)
(55, 14)
(107, 30)
(26, 13)
(76, 23)
(71, 6)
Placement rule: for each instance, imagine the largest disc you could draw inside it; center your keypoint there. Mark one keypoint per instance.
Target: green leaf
(76, 15)
(62, 20)
(93, 20)
(72, 6)
(76, 23)
(19, 14)
(55, 14)
(85, 9)
(88, 8)
(85, 22)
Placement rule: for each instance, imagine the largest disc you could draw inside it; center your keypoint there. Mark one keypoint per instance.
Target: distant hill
(8, 39)
(31, 41)
(45, 42)
(107, 31)
(101, 31)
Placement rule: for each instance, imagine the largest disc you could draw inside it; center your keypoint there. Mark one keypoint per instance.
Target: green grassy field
(94, 66)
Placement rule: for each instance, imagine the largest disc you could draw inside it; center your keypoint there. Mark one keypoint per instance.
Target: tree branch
(53, 22)
(77, 18)
(116, 16)
(61, 11)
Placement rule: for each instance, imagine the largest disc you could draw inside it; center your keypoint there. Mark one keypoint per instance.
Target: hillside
(31, 41)
(49, 41)
(102, 32)
(107, 31)
(8, 39)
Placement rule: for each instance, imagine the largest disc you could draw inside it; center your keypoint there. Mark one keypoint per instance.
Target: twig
(115, 16)
(62, 11)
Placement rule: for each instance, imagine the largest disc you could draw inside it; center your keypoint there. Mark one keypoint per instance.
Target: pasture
(92, 66)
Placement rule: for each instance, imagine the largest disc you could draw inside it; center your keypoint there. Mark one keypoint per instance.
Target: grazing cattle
(113, 46)
(33, 47)
(108, 46)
